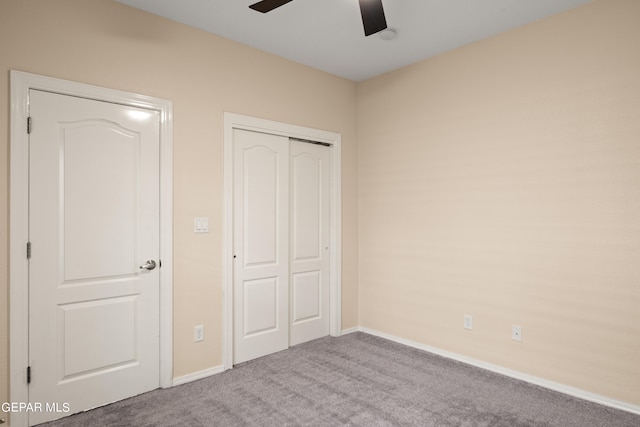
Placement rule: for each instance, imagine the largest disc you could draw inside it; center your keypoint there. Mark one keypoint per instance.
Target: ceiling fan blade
(265, 6)
(372, 16)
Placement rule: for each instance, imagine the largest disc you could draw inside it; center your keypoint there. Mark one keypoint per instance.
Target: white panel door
(261, 244)
(281, 199)
(309, 241)
(94, 222)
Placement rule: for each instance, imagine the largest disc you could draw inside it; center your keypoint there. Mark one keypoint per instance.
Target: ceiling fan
(371, 10)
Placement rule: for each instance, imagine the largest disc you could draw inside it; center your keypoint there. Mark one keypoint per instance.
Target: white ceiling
(328, 34)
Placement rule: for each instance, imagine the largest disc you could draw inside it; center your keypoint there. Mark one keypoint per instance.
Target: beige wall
(104, 43)
(502, 180)
(499, 180)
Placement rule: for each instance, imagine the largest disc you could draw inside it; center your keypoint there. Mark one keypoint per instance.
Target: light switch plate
(201, 224)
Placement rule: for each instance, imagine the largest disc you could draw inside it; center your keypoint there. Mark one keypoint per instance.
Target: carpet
(354, 380)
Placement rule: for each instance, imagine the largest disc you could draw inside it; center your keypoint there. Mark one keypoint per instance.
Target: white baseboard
(351, 330)
(197, 375)
(219, 369)
(562, 388)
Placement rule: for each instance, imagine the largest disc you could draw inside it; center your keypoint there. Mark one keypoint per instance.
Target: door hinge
(28, 250)
(28, 124)
(28, 374)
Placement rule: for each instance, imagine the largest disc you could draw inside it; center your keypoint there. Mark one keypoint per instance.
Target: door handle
(149, 265)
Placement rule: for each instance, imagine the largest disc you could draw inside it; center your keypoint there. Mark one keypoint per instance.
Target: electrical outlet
(198, 334)
(516, 333)
(468, 321)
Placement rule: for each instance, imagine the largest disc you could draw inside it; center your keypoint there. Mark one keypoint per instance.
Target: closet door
(261, 244)
(309, 241)
(281, 243)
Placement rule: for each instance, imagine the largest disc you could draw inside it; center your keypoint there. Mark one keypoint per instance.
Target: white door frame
(21, 83)
(236, 121)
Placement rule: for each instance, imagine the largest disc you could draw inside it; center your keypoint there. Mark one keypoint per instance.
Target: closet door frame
(236, 121)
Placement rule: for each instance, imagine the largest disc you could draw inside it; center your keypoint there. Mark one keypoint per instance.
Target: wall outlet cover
(516, 333)
(198, 334)
(468, 321)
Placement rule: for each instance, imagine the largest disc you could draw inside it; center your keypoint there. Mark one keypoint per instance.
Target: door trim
(21, 83)
(236, 121)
